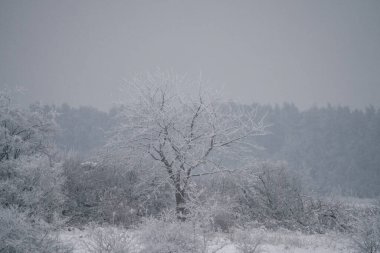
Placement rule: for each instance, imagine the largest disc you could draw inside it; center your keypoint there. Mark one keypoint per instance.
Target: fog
(189, 126)
(305, 52)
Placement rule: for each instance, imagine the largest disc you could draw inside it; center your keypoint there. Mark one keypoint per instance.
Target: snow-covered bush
(212, 213)
(109, 240)
(80, 191)
(323, 215)
(247, 242)
(271, 193)
(367, 237)
(169, 235)
(112, 189)
(21, 234)
(34, 186)
(274, 196)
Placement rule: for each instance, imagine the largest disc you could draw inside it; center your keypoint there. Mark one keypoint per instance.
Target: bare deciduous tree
(182, 133)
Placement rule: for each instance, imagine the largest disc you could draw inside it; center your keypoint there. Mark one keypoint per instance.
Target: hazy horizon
(302, 52)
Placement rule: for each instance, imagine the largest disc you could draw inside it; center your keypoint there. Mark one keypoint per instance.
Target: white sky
(306, 52)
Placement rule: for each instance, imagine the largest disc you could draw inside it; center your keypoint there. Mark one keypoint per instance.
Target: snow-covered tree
(30, 179)
(182, 134)
(23, 132)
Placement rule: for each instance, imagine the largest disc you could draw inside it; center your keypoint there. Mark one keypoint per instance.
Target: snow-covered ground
(270, 241)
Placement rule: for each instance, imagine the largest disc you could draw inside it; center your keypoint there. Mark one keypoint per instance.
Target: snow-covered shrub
(367, 237)
(111, 189)
(109, 240)
(97, 192)
(223, 221)
(22, 234)
(272, 194)
(213, 214)
(169, 235)
(34, 185)
(247, 242)
(322, 215)
(80, 190)
(209, 209)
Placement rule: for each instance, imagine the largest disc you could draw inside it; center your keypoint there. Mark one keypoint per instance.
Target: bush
(109, 240)
(247, 242)
(367, 237)
(274, 196)
(213, 213)
(272, 193)
(98, 192)
(162, 236)
(111, 189)
(323, 215)
(20, 234)
(34, 185)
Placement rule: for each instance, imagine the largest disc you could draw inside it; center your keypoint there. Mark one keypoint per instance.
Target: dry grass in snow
(115, 240)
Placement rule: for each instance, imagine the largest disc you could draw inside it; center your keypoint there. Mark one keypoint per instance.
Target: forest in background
(334, 149)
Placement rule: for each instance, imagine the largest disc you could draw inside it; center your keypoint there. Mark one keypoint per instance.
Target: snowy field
(83, 241)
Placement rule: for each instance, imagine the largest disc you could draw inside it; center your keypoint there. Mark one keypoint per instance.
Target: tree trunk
(180, 200)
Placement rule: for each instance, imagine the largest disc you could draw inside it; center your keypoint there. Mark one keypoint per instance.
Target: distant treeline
(335, 149)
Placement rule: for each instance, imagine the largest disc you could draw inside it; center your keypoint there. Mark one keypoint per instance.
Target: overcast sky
(306, 52)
